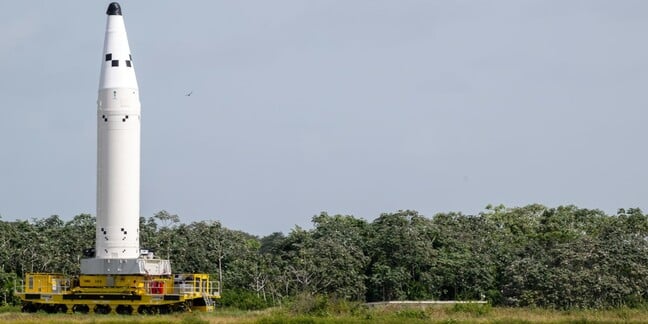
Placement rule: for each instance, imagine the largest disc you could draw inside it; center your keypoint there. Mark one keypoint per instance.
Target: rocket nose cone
(114, 9)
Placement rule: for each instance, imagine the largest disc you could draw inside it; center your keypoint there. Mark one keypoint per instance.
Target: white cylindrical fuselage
(118, 148)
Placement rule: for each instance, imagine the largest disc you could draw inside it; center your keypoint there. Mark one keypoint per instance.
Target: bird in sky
(189, 94)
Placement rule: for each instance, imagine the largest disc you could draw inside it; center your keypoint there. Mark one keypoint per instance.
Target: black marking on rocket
(115, 63)
(114, 9)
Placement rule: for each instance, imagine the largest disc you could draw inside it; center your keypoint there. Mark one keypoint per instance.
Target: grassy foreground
(357, 314)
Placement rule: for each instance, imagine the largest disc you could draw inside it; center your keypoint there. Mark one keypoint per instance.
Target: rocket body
(118, 146)
(117, 250)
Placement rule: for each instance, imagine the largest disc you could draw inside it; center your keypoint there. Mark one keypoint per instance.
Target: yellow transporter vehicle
(120, 294)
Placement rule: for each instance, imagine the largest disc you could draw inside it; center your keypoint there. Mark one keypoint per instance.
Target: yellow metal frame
(123, 294)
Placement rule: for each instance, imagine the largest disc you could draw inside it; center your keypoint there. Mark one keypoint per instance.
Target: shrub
(9, 309)
(472, 308)
(308, 304)
(244, 300)
(412, 313)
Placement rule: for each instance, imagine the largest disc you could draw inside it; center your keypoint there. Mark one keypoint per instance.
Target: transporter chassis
(117, 294)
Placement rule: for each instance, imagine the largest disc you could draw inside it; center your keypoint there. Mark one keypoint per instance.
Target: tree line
(564, 257)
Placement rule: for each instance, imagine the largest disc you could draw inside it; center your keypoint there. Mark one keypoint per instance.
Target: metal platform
(144, 266)
(119, 294)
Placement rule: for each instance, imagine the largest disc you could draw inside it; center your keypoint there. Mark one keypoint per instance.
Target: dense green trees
(564, 257)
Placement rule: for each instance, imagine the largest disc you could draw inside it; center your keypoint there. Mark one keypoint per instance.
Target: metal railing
(19, 289)
(186, 287)
(54, 286)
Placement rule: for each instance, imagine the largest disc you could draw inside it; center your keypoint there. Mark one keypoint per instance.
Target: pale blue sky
(353, 107)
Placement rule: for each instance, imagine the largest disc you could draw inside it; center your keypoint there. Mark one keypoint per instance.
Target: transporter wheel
(60, 308)
(29, 308)
(145, 310)
(82, 309)
(179, 308)
(149, 310)
(102, 309)
(49, 309)
(124, 309)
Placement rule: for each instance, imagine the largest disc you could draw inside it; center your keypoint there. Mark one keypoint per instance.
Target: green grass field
(357, 314)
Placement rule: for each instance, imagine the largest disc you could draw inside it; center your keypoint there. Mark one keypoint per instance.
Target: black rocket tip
(114, 9)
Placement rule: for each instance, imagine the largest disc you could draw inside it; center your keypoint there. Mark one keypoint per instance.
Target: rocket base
(143, 266)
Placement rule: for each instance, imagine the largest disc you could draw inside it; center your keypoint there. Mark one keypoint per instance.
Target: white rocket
(118, 160)
(118, 146)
